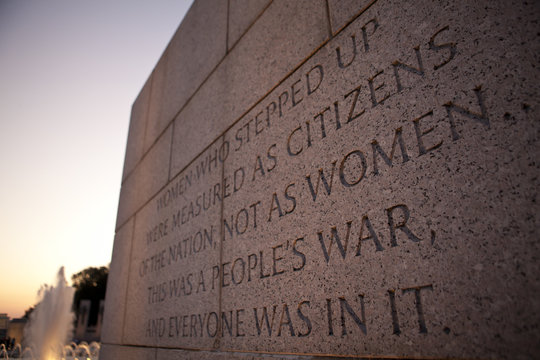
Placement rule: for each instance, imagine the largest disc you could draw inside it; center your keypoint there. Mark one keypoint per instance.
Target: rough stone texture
(194, 51)
(242, 13)
(126, 352)
(137, 127)
(378, 199)
(175, 244)
(117, 286)
(257, 62)
(149, 176)
(170, 354)
(343, 11)
(156, 121)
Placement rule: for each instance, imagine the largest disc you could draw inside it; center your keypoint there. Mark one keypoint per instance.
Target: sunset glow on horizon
(70, 72)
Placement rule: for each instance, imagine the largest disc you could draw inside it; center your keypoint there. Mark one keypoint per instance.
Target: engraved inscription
(316, 215)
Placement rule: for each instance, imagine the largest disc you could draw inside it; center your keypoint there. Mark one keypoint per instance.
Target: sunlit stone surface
(333, 178)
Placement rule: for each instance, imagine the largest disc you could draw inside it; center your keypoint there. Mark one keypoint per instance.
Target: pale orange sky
(70, 71)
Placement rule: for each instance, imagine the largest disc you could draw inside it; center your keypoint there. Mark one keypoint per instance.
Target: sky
(69, 73)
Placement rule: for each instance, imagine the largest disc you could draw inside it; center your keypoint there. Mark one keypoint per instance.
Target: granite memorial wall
(344, 179)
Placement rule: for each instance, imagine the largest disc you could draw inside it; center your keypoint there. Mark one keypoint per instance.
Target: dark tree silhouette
(90, 284)
(28, 312)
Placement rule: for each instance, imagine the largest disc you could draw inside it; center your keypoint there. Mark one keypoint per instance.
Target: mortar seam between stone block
(146, 115)
(198, 87)
(150, 148)
(222, 238)
(223, 132)
(316, 355)
(173, 120)
(294, 69)
(252, 23)
(178, 112)
(127, 281)
(170, 153)
(342, 356)
(329, 22)
(126, 176)
(194, 92)
(148, 109)
(227, 29)
(355, 17)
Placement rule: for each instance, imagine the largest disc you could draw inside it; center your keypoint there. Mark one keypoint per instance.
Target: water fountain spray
(51, 323)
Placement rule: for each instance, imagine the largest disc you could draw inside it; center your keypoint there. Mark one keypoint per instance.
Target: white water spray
(51, 322)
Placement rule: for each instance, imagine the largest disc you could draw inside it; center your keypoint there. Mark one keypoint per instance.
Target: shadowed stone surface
(137, 126)
(115, 303)
(126, 352)
(372, 195)
(194, 51)
(149, 176)
(175, 244)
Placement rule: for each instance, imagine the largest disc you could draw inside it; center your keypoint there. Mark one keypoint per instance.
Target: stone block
(156, 123)
(374, 197)
(173, 292)
(194, 51)
(247, 73)
(149, 176)
(345, 224)
(242, 14)
(137, 127)
(117, 286)
(170, 354)
(344, 11)
(109, 351)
